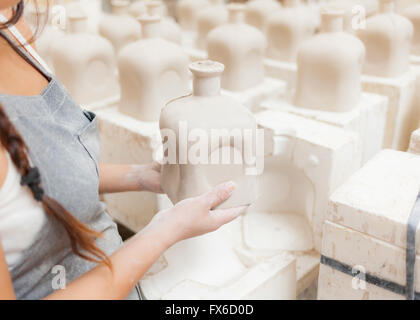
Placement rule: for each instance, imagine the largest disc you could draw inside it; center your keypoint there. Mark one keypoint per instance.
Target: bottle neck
(292, 3)
(236, 16)
(150, 28)
(386, 6)
(332, 23)
(119, 6)
(78, 25)
(206, 86)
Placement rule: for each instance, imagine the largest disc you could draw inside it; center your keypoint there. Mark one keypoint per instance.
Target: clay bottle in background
(241, 48)
(330, 67)
(85, 62)
(137, 8)
(413, 14)
(387, 39)
(209, 18)
(170, 30)
(48, 34)
(201, 112)
(288, 28)
(258, 12)
(119, 27)
(187, 12)
(152, 72)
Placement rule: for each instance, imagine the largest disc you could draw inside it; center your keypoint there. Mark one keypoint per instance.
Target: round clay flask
(288, 28)
(330, 67)
(85, 63)
(258, 12)
(387, 39)
(119, 27)
(152, 72)
(241, 48)
(193, 167)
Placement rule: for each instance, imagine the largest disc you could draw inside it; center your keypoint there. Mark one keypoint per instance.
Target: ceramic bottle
(85, 63)
(209, 18)
(287, 29)
(413, 14)
(241, 48)
(152, 72)
(330, 67)
(170, 30)
(258, 12)
(119, 27)
(387, 39)
(197, 166)
(187, 12)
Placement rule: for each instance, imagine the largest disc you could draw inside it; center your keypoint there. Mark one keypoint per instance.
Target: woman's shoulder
(3, 165)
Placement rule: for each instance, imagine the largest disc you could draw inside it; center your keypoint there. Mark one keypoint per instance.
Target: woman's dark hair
(82, 238)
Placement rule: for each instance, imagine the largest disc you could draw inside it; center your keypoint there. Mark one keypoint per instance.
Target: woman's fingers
(223, 216)
(218, 194)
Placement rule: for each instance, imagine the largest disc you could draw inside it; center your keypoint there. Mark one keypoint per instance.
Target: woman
(50, 213)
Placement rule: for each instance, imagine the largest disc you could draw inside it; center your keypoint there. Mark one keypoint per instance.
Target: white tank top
(21, 216)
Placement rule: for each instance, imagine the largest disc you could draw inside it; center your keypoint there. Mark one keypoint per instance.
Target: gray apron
(64, 144)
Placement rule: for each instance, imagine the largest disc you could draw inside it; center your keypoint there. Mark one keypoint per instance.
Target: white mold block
(366, 228)
(125, 140)
(368, 120)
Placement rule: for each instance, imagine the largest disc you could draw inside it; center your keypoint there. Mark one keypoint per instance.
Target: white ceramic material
(209, 18)
(85, 63)
(152, 72)
(169, 29)
(387, 39)
(119, 27)
(258, 12)
(330, 67)
(413, 14)
(207, 110)
(241, 48)
(187, 12)
(366, 228)
(288, 28)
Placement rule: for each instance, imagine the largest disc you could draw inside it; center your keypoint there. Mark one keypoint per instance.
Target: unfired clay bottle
(387, 39)
(85, 63)
(170, 30)
(187, 12)
(258, 12)
(202, 111)
(209, 18)
(241, 48)
(138, 8)
(48, 35)
(330, 67)
(152, 72)
(287, 29)
(413, 14)
(119, 27)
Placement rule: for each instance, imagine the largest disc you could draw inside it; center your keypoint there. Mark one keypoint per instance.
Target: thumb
(218, 194)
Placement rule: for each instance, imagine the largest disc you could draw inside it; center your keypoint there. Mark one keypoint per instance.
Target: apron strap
(22, 41)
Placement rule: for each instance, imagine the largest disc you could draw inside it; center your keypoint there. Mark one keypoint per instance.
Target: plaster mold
(258, 12)
(366, 227)
(207, 110)
(85, 63)
(125, 140)
(119, 27)
(152, 72)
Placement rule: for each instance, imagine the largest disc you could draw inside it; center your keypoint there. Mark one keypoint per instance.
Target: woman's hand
(194, 217)
(122, 178)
